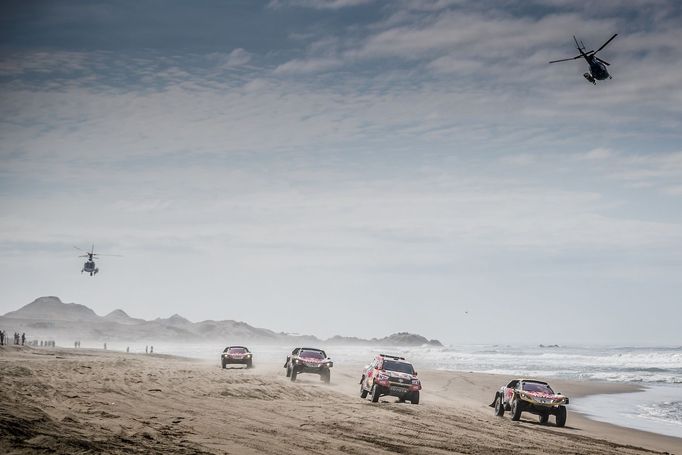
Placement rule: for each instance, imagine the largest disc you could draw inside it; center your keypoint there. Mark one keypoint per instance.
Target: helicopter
(598, 71)
(89, 266)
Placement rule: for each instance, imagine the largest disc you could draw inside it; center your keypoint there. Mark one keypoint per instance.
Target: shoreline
(113, 398)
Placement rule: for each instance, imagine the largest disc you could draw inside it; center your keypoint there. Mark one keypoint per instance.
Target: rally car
(238, 355)
(390, 375)
(528, 395)
(308, 360)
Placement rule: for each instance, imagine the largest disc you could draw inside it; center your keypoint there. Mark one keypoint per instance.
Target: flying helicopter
(598, 71)
(89, 266)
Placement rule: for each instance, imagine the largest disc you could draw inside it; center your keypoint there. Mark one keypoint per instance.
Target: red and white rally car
(309, 360)
(529, 395)
(239, 355)
(390, 375)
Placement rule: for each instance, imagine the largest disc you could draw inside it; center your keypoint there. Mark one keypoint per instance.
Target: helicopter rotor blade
(565, 59)
(603, 61)
(80, 249)
(604, 45)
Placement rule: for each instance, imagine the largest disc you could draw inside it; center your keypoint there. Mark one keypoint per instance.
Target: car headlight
(382, 377)
(415, 382)
(248, 356)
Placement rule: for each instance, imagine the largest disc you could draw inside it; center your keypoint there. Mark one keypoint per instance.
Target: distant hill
(50, 317)
(52, 309)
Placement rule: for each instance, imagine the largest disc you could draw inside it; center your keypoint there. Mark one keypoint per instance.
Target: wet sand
(89, 401)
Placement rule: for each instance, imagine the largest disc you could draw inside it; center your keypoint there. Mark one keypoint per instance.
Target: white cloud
(312, 65)
(238, 57)
(317, 4)
(600, 153)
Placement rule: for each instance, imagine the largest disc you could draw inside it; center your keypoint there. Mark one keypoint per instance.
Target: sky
(351, 167)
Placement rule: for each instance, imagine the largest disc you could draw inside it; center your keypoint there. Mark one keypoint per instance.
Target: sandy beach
(90, 401)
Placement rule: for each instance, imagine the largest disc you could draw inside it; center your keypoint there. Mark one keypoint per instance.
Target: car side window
(295, 351)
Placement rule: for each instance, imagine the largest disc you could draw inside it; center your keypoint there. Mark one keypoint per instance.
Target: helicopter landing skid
(590, 78)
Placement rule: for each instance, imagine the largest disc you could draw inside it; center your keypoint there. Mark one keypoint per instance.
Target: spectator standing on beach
(146, 349)
(105, 346)
(151, 350)
(23, 338)
(2, 338)
(128, 349)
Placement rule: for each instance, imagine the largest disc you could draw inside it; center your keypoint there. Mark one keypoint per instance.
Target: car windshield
(312, 355)
(401, 367)
(535, 387)
(236, 350)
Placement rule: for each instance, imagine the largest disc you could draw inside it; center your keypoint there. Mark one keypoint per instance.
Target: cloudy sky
(348, 166)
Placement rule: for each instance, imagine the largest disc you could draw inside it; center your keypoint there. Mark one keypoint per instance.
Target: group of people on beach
(19, 339)
(42, 343)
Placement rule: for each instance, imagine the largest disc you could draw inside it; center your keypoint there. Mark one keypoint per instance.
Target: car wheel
(499, 406)
(561, 416)
(544, 418)
(326, 376)
(516, 409)
(414, 399)
(363, 391)
(375, 394)
(249, 364)
(288, 372)
(223, 363)
(293, 374)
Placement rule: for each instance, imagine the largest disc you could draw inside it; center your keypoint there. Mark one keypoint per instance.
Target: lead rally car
(390, 375)
(309, 360)
(238, 355)
(528, 395)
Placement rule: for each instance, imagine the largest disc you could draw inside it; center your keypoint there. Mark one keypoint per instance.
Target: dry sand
(87, 401)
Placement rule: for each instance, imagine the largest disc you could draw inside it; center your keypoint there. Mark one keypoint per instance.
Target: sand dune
(67, 401)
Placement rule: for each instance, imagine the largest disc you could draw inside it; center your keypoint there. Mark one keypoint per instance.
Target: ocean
(657, 408)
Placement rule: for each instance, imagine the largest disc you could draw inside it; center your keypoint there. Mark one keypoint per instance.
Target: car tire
(288, 372)
(375, 394)
(516, 409)
(326, 376)
(561, 416)
(294, 373)
(363, 391)
(249, 364)
(499, 405)
(414, 399)
(544, 418)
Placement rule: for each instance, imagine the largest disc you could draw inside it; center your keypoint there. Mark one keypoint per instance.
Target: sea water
(657, 408)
